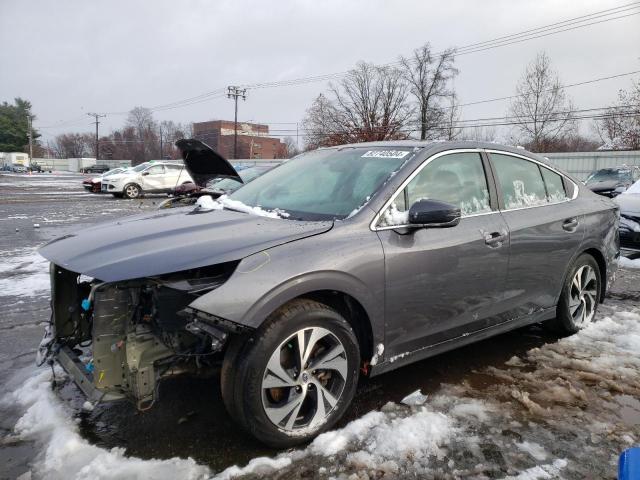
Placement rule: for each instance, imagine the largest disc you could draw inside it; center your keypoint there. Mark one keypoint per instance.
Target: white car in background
(148, 177)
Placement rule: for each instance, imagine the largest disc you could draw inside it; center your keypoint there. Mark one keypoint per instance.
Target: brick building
(253, 139)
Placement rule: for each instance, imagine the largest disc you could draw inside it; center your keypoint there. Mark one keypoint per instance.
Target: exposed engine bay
(117, 340)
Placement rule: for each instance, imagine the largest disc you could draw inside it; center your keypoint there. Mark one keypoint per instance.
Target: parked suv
(345, 261)
(149, 177)
(611, 182)
(96, 169)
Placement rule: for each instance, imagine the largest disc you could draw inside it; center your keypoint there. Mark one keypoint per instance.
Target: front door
(442, 283)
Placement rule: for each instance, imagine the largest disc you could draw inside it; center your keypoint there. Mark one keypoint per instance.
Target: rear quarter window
(555, 185)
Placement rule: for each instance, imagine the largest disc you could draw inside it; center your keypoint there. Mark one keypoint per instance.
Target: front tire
(580, 296)
(131, 191)
(295, 376)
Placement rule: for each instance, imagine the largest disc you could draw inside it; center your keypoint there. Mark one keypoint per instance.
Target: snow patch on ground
(552, 470)
(625, 262)
(414, 399)
(66, 455)
(24, 273)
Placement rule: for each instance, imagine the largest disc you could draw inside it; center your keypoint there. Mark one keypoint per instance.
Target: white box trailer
(11, 159)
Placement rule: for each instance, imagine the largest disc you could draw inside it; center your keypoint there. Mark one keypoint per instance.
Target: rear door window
(155, 170)
(520, 180)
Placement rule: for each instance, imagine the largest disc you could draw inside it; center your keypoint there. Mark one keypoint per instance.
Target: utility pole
(161, 156)
(30, 135)
(97, 116)
(235, 92)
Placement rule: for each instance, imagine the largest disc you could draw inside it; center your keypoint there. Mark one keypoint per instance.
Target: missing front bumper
(74, 367)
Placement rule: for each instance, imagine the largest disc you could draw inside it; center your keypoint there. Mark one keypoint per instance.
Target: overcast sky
(73, 57)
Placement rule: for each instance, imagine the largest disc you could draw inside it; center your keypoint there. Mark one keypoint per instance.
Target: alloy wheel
(304, 379)
(583, 295)
(132, 191)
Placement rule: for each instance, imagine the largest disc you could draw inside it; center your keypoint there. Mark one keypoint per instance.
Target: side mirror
(433, 214)
(145, 173)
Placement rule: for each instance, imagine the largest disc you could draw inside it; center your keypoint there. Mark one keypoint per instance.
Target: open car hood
(168, 241)
(203, 163)
(605, 185)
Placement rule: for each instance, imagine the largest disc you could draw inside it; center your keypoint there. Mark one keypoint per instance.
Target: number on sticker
(385, 154)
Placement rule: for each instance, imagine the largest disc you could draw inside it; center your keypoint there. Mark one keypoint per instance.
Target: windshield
(113, 172)
(140, 167)
(324, 184)
(227, 184)
(619, 174)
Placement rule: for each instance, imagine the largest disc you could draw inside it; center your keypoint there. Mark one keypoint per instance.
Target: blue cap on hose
(629, 465)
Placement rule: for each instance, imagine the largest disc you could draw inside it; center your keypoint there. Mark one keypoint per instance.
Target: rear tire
(294, 377)
(580, 296)
(132, 191)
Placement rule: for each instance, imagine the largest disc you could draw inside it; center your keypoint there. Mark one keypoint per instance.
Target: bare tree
(369, 104)
(450, 130)
(479, 134)
(146, 131)
(429, 77)
(291, 147)
(542, 111)
(73, 145)
(321, 125)
(620, 129)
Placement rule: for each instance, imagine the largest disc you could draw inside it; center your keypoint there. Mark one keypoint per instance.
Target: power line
(511, 120)
(505, 40)
(476, 47)
(498, 42)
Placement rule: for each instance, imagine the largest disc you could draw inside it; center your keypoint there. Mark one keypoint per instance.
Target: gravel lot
(522, 405)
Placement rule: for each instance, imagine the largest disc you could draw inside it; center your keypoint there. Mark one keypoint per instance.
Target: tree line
(416, 98)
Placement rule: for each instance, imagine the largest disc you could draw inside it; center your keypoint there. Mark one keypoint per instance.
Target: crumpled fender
(266, 280)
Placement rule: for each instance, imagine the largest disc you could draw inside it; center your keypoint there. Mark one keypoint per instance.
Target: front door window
(456, 178)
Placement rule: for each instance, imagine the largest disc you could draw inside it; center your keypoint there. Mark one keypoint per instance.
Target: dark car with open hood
(611, 182)
(344, 261)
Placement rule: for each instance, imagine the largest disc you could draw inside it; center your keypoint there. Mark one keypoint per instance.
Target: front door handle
(570, 224)
(495, 239)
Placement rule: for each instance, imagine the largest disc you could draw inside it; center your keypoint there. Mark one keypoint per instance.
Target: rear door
(546, 229)
(443, 283)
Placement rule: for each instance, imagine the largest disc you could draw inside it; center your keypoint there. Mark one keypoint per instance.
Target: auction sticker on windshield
(385, 154)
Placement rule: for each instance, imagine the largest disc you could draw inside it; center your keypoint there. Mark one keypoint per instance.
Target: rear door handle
(495, 239)
(570, 224)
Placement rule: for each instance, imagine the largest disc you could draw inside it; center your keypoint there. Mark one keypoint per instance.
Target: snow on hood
(206, 203)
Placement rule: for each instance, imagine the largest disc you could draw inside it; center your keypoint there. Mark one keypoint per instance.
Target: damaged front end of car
(117, 340)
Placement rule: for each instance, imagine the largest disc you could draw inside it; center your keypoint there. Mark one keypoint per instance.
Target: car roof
(440, 145)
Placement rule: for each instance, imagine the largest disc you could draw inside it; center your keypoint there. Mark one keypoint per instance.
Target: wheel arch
(345, 293)
(598, 256)
(353, 311)
(602, 265)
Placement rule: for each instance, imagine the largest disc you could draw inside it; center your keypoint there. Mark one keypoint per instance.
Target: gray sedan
(345, 261)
